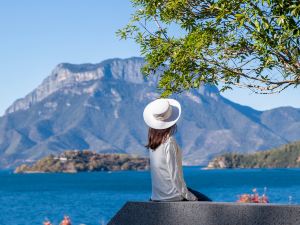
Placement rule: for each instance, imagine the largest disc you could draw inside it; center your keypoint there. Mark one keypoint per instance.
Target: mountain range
(99, 107)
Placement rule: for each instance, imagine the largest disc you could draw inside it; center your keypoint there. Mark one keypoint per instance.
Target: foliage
(247, 43)
(78, 161)
(287, 156)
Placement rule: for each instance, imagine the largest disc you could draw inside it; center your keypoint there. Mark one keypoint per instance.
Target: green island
(73, 161)
(286, 156)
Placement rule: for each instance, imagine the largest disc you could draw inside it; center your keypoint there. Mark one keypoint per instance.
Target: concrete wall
(206, 213)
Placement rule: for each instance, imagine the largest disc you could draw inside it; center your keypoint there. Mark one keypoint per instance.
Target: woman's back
(162, 159)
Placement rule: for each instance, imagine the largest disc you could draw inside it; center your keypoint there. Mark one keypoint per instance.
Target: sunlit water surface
(93, 198)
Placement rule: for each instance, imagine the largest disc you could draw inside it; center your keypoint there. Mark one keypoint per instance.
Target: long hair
(157, 137)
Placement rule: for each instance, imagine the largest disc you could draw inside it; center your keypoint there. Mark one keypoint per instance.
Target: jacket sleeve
(175, 168)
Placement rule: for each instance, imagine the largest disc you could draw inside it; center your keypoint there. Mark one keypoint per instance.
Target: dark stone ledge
(206, 213)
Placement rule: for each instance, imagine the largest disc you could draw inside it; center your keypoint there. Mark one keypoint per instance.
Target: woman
(167, 179)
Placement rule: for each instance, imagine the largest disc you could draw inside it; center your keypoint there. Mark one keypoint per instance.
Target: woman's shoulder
(170, 145)
(170, 140)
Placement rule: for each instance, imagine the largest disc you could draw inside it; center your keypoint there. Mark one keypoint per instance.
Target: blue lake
(93, 198)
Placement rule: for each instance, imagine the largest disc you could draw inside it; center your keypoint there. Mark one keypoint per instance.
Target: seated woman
(167, 179)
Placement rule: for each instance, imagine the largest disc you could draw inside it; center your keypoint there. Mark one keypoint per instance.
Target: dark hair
(156, 137)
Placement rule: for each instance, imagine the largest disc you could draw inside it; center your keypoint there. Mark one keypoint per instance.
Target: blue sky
(37, 35)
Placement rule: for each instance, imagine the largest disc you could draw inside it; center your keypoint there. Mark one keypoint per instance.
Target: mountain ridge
(65, 74)
(99, 107)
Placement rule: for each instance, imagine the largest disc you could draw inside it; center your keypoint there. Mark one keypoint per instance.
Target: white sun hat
(162, 113)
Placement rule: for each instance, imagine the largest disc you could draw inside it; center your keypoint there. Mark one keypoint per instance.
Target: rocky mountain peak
(67, 75)
(209, 90)
(99, 107)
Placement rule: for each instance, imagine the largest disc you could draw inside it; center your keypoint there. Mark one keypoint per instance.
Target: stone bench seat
(206, 213)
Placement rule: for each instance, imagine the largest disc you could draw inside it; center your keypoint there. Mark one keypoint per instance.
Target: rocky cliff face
(67, 75)
(99, 107)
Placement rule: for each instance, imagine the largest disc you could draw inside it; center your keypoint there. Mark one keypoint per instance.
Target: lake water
(93, 198)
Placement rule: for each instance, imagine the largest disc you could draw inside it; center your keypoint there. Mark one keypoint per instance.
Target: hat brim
(152, 122)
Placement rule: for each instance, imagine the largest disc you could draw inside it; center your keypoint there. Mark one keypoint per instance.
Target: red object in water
(264, 199)
(66, 221)
(253, 198)
(47, 223)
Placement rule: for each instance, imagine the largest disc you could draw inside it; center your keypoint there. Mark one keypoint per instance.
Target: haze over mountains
(99, 107)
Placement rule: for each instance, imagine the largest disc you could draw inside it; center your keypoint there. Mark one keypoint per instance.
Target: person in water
(66, 221)
(47, 222)
(167, 178)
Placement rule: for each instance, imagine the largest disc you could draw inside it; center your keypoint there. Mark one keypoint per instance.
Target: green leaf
(216, 41)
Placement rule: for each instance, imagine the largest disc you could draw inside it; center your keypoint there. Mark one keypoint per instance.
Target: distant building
(63, 159)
